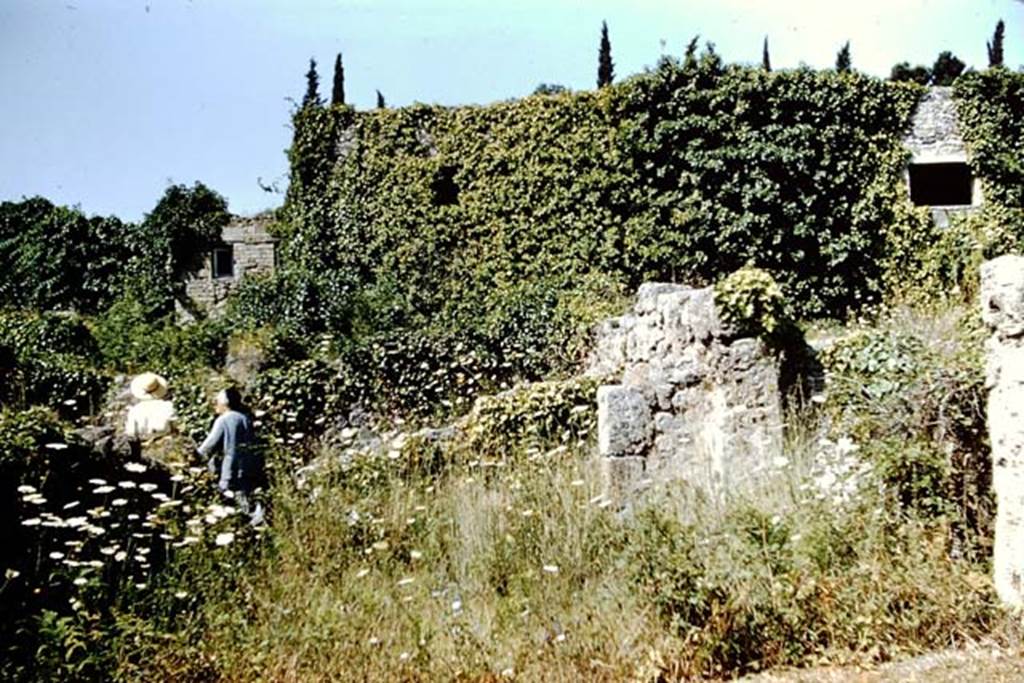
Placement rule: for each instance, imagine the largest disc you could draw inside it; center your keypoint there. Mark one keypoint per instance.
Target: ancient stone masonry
(934, 133)
(246, 248)
(692, 401)
(1002, 309)
(938, 175)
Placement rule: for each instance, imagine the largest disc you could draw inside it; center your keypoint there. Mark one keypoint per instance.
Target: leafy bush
(51, 362)
(128, 339)
(910, 388)
(750, 301)
(56, 257)
(990, 105)
(531, 417)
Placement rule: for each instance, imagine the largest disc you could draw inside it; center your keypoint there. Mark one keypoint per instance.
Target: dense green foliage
(991, 107)
(432, 255)
(684, 173)
(56, 257)
(52, 360)
(910, 388)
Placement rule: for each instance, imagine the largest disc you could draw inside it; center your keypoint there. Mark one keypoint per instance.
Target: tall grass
(522, 569)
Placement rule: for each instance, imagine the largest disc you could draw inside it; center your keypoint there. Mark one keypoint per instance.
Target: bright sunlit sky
(105, 102)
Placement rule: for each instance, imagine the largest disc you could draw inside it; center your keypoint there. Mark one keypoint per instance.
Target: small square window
(941, 184)
(223, 262)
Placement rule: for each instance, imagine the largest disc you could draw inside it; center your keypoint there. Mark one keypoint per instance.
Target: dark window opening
(947, 184)
(444, 187)
(223, 262)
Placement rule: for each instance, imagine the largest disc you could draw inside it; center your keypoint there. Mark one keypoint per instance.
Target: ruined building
(245, 248)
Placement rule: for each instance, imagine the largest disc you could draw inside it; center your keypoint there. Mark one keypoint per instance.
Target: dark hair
(234, 398)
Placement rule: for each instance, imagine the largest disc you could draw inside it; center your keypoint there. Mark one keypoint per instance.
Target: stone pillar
(1002, 309)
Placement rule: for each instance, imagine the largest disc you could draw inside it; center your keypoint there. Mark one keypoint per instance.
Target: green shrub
(130, 340)
(910, 389)
(51, 362)
(56, 257)
(750, 301)
(532, 417)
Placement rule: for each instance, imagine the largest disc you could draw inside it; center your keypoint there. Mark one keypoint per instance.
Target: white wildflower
(56, 446)
(136, 467)
(550, 568)
(224, 538)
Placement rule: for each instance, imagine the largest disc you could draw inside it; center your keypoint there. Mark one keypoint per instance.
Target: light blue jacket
(232, 435)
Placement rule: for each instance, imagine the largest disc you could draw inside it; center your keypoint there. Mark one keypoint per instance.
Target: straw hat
(149, 385)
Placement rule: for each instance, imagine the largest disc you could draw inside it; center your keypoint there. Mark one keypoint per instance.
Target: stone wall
(934, 134)
(254, 250)
(935, 138)
(690, 401)
(1002, 309)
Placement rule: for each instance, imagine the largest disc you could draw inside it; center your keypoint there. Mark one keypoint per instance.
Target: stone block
(623, 421)
(1002, 295)
(622, 476)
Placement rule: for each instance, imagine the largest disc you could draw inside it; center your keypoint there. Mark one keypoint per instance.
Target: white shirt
(149, 417)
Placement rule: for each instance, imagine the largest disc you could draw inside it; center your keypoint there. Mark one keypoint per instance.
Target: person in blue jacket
(241, 464)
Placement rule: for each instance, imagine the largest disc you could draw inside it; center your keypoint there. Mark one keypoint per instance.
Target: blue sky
(107, 101)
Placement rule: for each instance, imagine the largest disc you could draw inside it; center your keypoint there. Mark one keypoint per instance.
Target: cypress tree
(995, 48)
(843, 62)
(605, 68)
(338, 91)
(690, 57)
(380, 101)
(766, 62)
(312, 96)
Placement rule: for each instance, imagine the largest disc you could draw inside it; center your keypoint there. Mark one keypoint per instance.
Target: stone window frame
(919, 160)
(218, 273)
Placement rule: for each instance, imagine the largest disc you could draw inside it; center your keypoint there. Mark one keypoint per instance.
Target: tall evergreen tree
(338, 89)
(605, 67)
(312, 96)
(843, 61)
(380, 101)
(946, 68)
(766, 62)
(690, 57)
(995, 48)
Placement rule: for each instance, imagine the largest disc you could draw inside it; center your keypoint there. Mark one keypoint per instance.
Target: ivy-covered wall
(684, 173)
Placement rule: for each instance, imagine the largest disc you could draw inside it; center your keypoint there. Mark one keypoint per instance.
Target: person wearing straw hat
(153, 415)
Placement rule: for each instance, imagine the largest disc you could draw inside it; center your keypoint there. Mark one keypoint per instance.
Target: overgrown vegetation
(433, 256)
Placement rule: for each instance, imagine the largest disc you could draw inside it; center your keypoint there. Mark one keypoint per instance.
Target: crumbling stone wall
(1002, 309)
(254, 250)
(692, 400)
(934, 137)
(934, 132)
